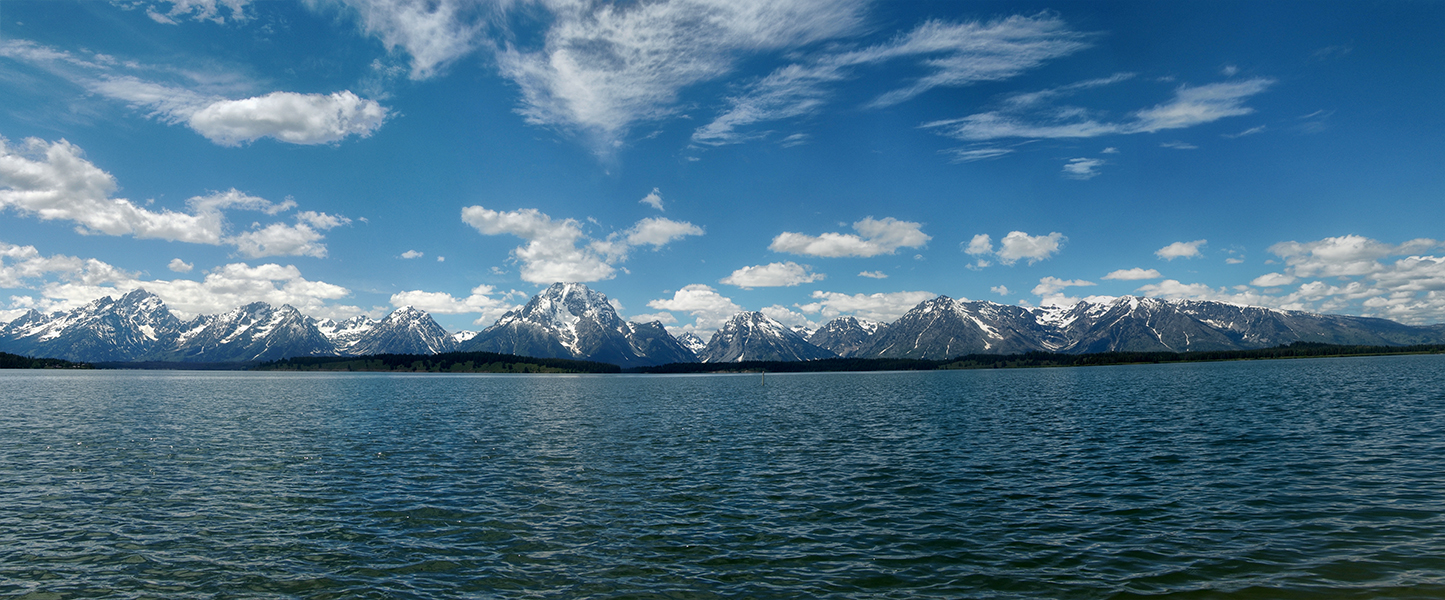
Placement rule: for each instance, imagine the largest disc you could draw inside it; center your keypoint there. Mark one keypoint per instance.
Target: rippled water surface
(1279, 479)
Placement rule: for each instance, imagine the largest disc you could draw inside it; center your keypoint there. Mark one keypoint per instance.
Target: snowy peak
(844, 336)
(690, 341)
(755, 336)
(569, 320)
(405, 331)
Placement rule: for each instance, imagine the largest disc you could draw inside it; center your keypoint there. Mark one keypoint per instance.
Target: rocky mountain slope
(755, 336)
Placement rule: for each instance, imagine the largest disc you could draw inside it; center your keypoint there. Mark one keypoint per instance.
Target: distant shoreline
(490, 362)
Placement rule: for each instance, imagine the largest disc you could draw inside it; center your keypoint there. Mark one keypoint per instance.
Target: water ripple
(1280, 479)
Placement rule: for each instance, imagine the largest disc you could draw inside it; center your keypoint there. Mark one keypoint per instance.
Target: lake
(1320, 478)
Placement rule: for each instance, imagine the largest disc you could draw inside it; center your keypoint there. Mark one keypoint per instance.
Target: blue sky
(810, 159)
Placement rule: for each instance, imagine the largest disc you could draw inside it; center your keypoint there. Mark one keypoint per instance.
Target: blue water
(1274, 479)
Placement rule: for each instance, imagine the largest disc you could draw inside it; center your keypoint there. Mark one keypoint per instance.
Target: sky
(810, 159)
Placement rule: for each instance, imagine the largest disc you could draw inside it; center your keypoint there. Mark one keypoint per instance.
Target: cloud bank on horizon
(790, 144)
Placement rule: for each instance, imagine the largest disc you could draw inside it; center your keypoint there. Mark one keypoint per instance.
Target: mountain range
(570, 320)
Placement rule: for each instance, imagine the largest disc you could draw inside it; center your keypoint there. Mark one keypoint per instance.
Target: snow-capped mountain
(572, 321)
(844, 336)
(138, 324)
(344, 334)
(755, 336)
(943, 328)
(256, 331)
(405, 331)
(139, 327)
(690, 341)
(569, 320)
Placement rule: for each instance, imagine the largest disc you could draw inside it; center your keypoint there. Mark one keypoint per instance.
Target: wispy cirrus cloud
(954, 54)
(606, 67)
(1190, 106)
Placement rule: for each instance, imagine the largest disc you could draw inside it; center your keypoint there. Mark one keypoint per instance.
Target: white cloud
(710, 309)
(880, 307)
(606, 67)
(1190, 106)
(280, 239)
(180, 266)
(1133, 274)
(203, 99)
(999, 289)
(875, 237)
(1052, 285)
(665, 318)
(951, 55)
(657, 231)
(1343, 256)
(53, 181)
(981, 244)
(788, 317)
(1083, 168)
(434, 32)
(67, 282)
(1180, 250)
(288, 117)
(961, 155)
(1410, 288)
(552, 253)
(1250, 131)
(772, 275)
(873, 274)
(1019, 245)
(200, 10)
(480, 301)
(653, 199)
(1272, 280)
(410, 254)
(1178, 145)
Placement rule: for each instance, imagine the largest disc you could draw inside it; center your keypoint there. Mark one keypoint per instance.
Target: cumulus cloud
(1013, 247)
(208, 104)
(1133, 274)
(1348, 274)
(1018, 245)
(53, 181)
(552, 253)
(1272, 280)
(999, 289)
(653, 199)
(180, 266)
(880, 307)
(1181, 250)
(288, 117)
(484, 300)
(66, 282)
(790, 318)
(772, 275)
(410, 254)
(874, 237)
(1052, 285)
(279, 239)
(873, 274)
(709, 308)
